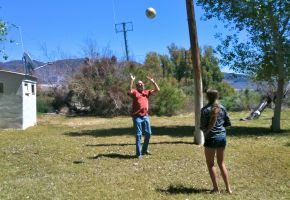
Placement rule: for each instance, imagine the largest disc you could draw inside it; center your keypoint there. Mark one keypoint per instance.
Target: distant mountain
(49, 74)
(56, 72)
(239, 81)
(14, 66)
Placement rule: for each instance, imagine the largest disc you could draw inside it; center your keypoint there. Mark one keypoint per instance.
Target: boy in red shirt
(140, 116)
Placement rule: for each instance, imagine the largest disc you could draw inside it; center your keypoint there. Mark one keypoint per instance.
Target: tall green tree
(265, 52)
(181, 59)
(153, 64)
(167, 66)
(211, 73)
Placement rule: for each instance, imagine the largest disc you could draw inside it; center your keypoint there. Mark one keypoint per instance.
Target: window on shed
(33, 89)
(1, 88)
(26, 89)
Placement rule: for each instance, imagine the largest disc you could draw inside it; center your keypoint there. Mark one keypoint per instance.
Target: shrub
(44, 104)
(60, 97)
(169, 101)
(241, 100)
(99, 90)
(187, 86)
(231, 103)
(249, 99)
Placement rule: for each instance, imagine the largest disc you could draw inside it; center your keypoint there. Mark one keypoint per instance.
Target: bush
(231, 103)
(44, 104)
(187, 86)
(169, 101)
(242, 100)
(99, 89)
(249, 99)
(60, 97)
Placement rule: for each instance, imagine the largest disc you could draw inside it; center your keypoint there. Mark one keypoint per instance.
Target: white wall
(29, 103)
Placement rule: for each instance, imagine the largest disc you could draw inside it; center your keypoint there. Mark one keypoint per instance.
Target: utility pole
(198, 135)
(124, 27)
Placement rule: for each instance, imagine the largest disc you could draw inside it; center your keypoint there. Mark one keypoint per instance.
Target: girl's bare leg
(223, 169)
(209, 155)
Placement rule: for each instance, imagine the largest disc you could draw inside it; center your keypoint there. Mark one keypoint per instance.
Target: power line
(114, 14)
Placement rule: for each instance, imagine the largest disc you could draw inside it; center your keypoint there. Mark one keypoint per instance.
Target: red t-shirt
(140, 102)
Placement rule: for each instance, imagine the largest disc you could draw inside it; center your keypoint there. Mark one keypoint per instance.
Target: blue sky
(63, 27)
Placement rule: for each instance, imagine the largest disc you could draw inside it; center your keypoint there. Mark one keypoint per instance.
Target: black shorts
(218, 142)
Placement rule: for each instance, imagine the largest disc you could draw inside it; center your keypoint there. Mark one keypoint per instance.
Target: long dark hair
(212, 97)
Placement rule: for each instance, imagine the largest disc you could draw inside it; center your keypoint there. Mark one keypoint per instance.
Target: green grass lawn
(93, 158)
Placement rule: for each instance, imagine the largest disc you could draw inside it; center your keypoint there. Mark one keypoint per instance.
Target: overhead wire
(115, 22)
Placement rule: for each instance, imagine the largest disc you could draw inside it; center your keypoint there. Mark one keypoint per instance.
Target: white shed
(17, 100)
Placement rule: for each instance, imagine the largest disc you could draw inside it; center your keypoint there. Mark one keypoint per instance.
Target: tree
(265, 53)
(153, 64)
(3, 34)
(181, 59)
(211, 73)
(167, 66)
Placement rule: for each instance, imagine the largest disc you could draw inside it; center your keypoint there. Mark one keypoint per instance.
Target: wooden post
(198, 135)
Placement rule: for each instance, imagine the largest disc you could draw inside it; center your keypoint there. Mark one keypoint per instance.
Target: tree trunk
(198, 135)
(281, 79)
(278, 105)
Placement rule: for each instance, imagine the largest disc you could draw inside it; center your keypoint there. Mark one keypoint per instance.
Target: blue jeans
(140, 123)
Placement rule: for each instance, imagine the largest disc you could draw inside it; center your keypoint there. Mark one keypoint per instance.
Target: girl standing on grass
(214, 119)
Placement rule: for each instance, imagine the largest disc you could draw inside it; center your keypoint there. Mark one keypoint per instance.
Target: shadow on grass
(131, 144)
(176, 131)
(248, 131)
(78, 162)
(113, 155)
(243, 131)
(180, 189)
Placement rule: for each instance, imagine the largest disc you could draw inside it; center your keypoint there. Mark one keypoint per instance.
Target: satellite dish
(28, 64)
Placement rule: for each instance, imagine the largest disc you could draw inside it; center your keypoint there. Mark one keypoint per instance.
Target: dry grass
(93, 158)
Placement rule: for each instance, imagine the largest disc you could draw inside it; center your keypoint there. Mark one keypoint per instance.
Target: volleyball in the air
(150, 13)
